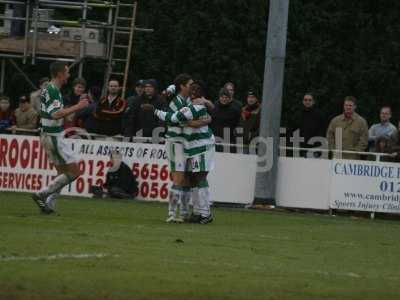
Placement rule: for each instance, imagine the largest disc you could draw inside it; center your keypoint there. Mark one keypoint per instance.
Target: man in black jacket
(226, 114)
(139, 119)
(309, 121)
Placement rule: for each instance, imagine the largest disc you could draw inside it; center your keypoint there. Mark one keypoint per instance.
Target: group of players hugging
(190, 146)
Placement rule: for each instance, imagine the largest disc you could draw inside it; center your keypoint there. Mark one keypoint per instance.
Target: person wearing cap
(7, 116)
(138, 92)
(250, 118)
(225, 115)
(26, 116)
(138, 119)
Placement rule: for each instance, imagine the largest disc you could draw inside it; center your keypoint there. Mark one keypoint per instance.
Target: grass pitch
(124, 250)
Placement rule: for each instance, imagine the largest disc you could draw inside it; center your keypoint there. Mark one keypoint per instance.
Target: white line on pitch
(56, 257)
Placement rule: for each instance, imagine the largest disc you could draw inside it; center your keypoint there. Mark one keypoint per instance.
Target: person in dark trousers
(310, 122)
(120, 181)
(140, 119)
(225, 115)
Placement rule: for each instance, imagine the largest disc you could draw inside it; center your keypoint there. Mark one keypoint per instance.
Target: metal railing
(377, 155)
(161, 140)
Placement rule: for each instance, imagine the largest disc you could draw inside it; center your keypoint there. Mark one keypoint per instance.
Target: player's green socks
(204, 202)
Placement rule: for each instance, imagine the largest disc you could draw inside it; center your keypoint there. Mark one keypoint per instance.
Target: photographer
(120, 181)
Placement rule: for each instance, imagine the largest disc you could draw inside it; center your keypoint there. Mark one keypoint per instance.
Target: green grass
(243, 255)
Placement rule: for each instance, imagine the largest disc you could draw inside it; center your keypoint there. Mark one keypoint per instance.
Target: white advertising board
(24, 167)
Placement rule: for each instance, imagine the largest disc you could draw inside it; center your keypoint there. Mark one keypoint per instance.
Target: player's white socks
(52, 199)
(174, 197)
(195, 201)
(185, 202)
(58, 183)
(204, 202)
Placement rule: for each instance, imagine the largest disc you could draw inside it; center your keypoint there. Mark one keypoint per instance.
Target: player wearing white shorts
(52, 140)
(180, 192)
(199, 149)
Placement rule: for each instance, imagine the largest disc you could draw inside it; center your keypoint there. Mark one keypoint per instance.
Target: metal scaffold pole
(82, 50)
(2, 75)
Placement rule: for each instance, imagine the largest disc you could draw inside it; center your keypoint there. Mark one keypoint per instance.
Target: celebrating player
(198, 149)
(52, 140)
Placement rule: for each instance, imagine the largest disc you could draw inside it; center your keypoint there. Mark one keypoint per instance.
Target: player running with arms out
(199, 149)
(52, 140)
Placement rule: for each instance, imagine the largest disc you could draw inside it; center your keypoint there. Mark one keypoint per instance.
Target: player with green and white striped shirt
(52, 140)
(199, 150)
(199, 143)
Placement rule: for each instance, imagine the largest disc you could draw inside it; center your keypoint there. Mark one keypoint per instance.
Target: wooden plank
(49, 45)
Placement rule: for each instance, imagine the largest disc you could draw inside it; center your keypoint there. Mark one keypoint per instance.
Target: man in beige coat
(349, 129)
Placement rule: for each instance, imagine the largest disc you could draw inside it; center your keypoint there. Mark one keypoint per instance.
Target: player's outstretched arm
(83, 103)
(206, 120)
(183, 115)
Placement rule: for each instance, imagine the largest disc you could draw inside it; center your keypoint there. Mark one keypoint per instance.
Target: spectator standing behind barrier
(35, 96)
(106, 118)
(226, 114)
(78, 89)
(230, 87)
(7, 116)
(250, 118)
(309, 121)
(84, 118)
(382, 129)
(139, 119)
(138, 92)
(26, 116)
(384, 144)
(354, 130)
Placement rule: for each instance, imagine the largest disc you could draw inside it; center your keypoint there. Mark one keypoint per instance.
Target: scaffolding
(119, 27)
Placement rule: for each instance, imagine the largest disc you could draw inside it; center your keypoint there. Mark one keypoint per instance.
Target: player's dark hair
(181, 79)
(196, 91)
(43, 80)
(57, 67)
